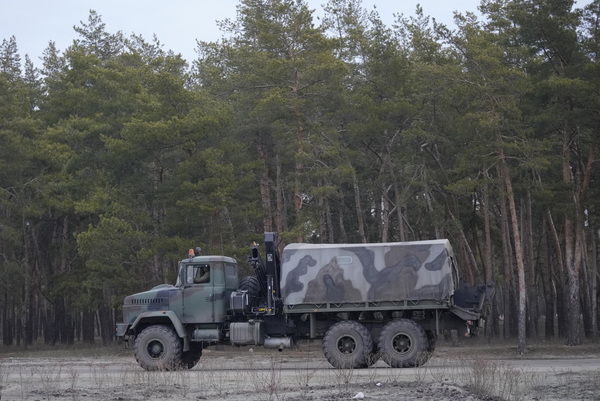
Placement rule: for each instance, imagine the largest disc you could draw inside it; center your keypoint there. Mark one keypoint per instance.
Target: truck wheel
(403, 343)
(158, 348)
(190, 358)
(250, 284)
(348, 344)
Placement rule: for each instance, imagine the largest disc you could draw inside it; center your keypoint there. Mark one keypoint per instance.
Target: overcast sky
(177, 23)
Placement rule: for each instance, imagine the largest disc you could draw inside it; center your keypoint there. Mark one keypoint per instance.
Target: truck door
(220, 297)
(198, 294)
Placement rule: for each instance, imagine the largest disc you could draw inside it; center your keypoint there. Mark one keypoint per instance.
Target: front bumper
(121, 334)
(122, 329)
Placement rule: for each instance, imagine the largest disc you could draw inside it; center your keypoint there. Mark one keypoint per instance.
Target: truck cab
(206, 283)
(169, 324)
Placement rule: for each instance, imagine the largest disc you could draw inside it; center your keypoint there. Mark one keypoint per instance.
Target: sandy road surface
(468, 372)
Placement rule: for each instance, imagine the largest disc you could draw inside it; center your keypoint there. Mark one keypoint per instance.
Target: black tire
(348, 344)
(190, 358)
(158, 348)
(403, 343)
(250, 284)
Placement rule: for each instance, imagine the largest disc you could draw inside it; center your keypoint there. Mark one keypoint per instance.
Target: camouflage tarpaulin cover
(335, 273)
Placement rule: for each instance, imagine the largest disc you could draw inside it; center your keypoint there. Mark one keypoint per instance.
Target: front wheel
(403, 343)
(348, 344)
(158, 348)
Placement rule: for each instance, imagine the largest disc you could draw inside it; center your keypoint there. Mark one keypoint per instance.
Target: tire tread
(417, 356)
(343, 328)
(172, 344)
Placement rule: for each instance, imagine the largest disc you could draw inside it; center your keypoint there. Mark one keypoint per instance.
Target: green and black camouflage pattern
(400, 271)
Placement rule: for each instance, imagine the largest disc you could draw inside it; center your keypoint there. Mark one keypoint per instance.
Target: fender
(161, 315)
(155, 316)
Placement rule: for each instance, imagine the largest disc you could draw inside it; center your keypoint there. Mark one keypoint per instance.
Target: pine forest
(117, 156)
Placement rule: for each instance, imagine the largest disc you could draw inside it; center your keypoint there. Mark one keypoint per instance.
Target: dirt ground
(473, 370)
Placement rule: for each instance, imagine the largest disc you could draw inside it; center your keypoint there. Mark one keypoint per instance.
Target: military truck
(364, 301)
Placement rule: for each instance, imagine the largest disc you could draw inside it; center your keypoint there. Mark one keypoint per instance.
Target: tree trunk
(7, 322)
(571, 256)
(28, 317)
(87, 326)
(573, 308)
(265, 191)
(340, 212)
(507, 263)
(281, 218)
(488, 237)
(518, 253)
(561, 279)
(401, 234)
(384, 220)
(586, 296)
(532, 296)
(547, 274)
(491, 329)
(322, 224)
(385, 189)
(593, 286)
(329, 222)
(299, 150)
(472, 271)
(106, 324)
(359, 213)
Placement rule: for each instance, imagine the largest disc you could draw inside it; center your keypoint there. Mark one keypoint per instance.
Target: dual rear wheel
(401, 343)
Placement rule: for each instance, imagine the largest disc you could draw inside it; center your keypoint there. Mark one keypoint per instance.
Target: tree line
(116, 156)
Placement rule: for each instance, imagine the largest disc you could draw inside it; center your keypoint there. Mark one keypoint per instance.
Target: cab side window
(198, 274)
(231, 276)
(201, 274)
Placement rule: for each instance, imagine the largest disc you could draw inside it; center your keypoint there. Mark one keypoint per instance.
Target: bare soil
(473, 370)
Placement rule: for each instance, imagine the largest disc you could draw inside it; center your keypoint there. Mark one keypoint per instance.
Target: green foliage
(111, 251)
(118, 157)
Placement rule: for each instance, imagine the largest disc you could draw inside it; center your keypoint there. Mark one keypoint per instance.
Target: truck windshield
(178, 283)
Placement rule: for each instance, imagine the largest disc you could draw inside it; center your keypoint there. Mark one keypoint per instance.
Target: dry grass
(481, 370)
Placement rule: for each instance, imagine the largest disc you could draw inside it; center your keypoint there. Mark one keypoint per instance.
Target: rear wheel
(158, 348)
(403, 343)
(348, 344)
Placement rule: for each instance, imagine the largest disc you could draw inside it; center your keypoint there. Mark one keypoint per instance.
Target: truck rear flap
(472, 303)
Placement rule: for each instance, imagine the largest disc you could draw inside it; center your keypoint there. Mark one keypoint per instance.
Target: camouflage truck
(364, 301)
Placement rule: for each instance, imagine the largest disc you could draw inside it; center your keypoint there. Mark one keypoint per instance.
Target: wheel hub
(155, 349)
(346, 345)
(401, 343)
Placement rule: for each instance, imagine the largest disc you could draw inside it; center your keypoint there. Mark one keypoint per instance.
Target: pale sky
(177, 23)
